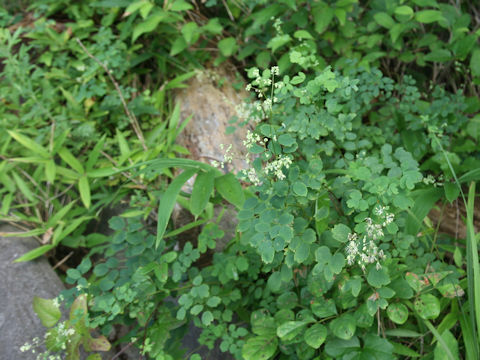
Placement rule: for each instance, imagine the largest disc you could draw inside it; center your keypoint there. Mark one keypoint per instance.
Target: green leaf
(302, 34)
(343, 327)
(213, 26)
(429, 16)
(260, 348)
(338, 347)
(286, 140)
(149, 24)
(324, 308)
(424, 202)
(207, 318)
(402, 333)
(300, 189)
(375, 347)
(451, 191)
(214, 301)
(227, 46)
(378, 278)
(439, 55)
(404, 10)
(289, 330)
(180, 5)
(84, 188)
(202, 190)
(71, 160)
(383, 19)
(30, 144)
(178, 46)
(322, 16)
(35, 253)
(398, 313)
(23, 187)
(427, 306)
(50, 171)
(230, 189)
(414, 281)
(288, 300)
(195, 310)
(262, 323)
(403, 350)
(47, 311)
(315, 335)
(278, 41)
(475, 62)
(441, 341)
(337, 262)
(190, 32)
(340, 232)
(168, 200)
(274, 282)
(266, 250)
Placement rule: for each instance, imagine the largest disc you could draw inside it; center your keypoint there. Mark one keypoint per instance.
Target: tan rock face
(212, 107)
(451, 220)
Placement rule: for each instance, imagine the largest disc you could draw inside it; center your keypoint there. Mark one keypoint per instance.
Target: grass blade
(473, 268)
(439, 339)
(168, 201)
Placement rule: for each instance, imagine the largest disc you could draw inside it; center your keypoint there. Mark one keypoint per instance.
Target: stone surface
(211, 108)
(19, 283)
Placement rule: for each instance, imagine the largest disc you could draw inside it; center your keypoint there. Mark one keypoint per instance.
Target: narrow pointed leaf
(168, 200)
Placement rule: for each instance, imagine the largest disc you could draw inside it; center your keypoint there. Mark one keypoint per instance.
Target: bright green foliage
(334, 255)
(66, 337)
(321, 253)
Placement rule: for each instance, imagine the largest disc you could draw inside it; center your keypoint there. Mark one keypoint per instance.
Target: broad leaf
(47, 311)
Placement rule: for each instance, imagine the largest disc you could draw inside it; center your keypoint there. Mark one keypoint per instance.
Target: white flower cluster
(277, 25)
(246, 112)
(364, 250)
(276, 166)
(227, 157)
(63, 336)
(251, 140)
(252, 176)
(430, 180)
(381, 211)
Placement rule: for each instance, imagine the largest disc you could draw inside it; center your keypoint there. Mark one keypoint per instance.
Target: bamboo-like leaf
(202, 189)
(35, 253)
(30, 144)
(50, 171)
(473, 268)
(84, 188)
(167, 202)
(93, 155)
(469, 341)
(71, 160)
(23, 186)
(53, 220)
(440, 340)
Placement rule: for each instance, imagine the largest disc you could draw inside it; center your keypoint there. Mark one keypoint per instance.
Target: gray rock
(19, 283)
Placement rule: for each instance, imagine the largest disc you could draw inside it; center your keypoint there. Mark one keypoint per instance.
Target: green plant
(67, 336)
(328, 259)
(334, 255)
(65, 121)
